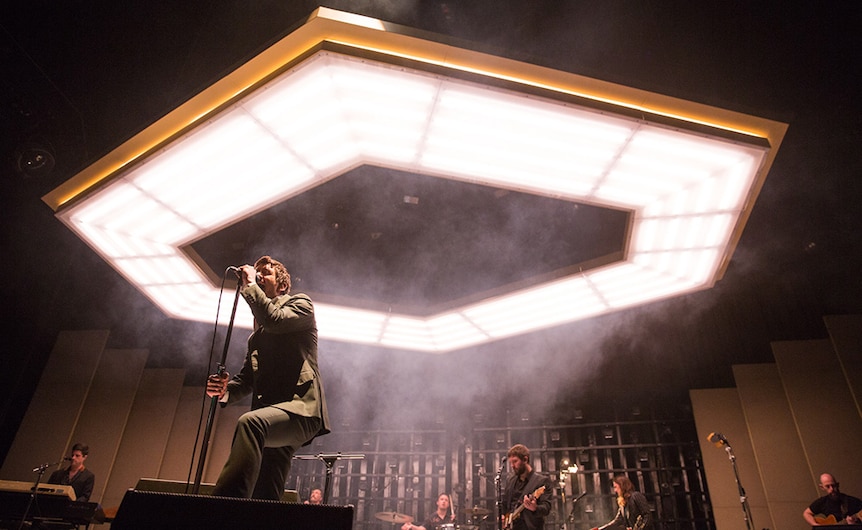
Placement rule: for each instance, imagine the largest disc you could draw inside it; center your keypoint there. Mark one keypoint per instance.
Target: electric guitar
(639, 523)
(509, 519)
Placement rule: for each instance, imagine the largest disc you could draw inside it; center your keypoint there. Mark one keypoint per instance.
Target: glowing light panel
(333, 111)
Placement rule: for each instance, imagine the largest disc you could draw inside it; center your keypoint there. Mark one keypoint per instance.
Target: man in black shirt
(834, 507)
(76, 475)
(527, 495)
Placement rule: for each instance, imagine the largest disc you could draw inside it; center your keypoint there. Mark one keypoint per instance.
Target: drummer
(444, 517)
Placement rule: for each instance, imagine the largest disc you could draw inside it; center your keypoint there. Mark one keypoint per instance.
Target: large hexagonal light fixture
(345, 90)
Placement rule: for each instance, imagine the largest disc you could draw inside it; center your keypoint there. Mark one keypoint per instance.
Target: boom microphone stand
(567, 468)
(571, 516)
(41, 471)
(329, 460)
(719, 440)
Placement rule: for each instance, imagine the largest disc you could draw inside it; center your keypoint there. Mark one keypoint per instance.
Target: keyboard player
(76, 474)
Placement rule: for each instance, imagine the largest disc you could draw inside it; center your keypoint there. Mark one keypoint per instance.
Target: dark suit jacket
(528, 519)
(280, 367)
(82, 482)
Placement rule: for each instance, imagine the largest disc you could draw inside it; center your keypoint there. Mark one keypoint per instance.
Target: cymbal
(475, 510)
(393, 517)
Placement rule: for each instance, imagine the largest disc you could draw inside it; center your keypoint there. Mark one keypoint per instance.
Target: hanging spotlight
(34, 159)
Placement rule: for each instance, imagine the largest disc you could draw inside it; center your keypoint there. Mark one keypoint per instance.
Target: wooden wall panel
(720, 410)
(45, 434)
(845, 331)
(180, 451)
(826, 416)
(777, 448)
(146, 433)
(106, 410)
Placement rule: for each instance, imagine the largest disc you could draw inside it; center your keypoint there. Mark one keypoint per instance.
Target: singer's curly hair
(281, 274)
(85, 450)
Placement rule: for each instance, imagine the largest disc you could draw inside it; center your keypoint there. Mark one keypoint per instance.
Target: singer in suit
(76, 475)
(288, 409)
(518, 495)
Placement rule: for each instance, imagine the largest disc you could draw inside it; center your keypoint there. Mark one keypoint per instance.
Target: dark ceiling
(80, 78)
(386, 238)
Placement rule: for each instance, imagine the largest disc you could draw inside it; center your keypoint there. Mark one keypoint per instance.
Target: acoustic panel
(180, 456)
(824, 410)
(106, 411)
(155, 510)
(57, 403)
(845, 331)
(146, 433)
(775, 442)
(720, 410)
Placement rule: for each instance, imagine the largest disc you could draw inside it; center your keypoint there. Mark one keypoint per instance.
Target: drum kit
(474, 514)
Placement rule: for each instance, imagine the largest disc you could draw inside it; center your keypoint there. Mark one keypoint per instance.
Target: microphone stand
(571, 517)
(498, 482)
(746, 510)
(562, 483)
(329, 460)
(41, 471)
(214, 400)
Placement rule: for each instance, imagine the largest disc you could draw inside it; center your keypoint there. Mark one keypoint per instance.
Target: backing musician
(527, 495)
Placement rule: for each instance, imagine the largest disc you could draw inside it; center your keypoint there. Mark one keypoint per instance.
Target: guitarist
(834, 507)
(525, 510)
(634, 510)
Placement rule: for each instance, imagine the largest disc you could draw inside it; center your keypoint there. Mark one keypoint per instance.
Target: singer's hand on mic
(217, 384)
(247, 275)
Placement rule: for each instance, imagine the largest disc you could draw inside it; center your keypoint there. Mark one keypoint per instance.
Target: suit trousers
(263, 445)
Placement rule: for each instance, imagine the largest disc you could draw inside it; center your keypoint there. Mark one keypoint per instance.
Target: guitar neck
(517, 511)
(510, 519)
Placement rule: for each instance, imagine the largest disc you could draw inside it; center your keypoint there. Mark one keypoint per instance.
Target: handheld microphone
(717, 438)
(258, 279)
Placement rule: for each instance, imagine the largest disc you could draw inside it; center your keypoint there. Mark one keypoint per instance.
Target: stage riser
(147, 510)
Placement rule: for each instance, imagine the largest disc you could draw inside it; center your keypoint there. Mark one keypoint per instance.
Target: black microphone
(258, 279)
(717, 438)
(67, 458)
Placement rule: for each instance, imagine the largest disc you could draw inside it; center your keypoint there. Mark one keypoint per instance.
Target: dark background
(79, 78)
